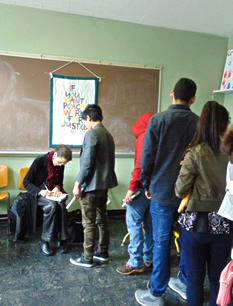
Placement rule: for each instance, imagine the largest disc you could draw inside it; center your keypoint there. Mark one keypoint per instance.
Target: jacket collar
(179, 106)
(98, 126)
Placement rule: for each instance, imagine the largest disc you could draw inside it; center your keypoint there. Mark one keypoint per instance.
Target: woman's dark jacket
(37, 174)
(34, 182)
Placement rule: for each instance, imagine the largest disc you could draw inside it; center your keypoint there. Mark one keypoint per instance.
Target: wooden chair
(4, 195)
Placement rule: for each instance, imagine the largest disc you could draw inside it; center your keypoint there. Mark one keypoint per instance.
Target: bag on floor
(11, 221)
(225, 287)
(74, 226)
(18, 217)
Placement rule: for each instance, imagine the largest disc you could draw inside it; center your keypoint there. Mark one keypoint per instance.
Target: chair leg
(8, 227)
(127, 235)
(8, 220)
(124, 239)
(176, 234)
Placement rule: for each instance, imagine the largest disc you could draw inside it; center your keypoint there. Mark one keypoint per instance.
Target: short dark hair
(211, 126)
(93, 111)
(227, 144)
(64, 151)
(185, 89)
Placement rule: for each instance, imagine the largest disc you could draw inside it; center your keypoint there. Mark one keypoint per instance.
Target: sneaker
(176, 285)
(148, 265)
(128, 270)
(145, 298)
(82, 261)
(101, 256)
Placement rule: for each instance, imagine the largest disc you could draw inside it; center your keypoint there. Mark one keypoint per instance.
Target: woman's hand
(56, 192)
(44, 193)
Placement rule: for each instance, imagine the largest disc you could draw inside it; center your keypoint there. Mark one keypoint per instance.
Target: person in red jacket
(138, 216)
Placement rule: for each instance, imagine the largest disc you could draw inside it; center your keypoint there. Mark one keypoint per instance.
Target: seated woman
(45, 178)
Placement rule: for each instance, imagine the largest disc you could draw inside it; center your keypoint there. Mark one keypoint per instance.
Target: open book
(57, 199)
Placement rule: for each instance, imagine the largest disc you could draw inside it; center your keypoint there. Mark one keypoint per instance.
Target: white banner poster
(68, 98)
(227, 79)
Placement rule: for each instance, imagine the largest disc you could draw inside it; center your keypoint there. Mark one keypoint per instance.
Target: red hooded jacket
(138, 129)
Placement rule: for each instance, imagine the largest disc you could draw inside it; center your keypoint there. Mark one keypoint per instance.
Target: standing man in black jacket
(167, 136)
(95, 177)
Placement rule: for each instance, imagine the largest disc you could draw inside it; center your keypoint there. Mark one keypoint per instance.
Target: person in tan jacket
(206, 235)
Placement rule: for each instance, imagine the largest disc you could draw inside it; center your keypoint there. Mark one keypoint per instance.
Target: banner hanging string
(74, 61)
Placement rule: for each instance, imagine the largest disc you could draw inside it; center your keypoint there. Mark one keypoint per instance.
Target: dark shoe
(101, 256)
(82, 261)
(45, 248)
(63, 247)
(128, 270)
(148, 265)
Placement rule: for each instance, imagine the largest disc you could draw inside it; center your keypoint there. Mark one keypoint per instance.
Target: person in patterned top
(207, 235)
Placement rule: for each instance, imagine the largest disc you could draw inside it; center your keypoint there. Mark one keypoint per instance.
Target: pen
(45, 186)
(135, 194)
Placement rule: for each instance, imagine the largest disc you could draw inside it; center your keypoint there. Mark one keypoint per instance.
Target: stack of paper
(57, 199)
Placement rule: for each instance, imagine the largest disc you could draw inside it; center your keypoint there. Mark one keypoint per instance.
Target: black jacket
(34, 182)
(167, 136)
(37, 175)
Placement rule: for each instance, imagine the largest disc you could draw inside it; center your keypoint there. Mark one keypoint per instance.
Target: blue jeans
(163, 219)
(203, 250)
(138, 217)
(182, 275)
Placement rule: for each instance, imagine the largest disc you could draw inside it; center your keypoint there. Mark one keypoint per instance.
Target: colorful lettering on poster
(73, 105)
(227, 79)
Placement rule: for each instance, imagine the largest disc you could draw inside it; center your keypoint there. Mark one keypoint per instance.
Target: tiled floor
(30, 279)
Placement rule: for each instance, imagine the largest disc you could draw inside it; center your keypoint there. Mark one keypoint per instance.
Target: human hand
(44, 193)
(148, 196)
(128, 195)
(56, 192)
(77, 192)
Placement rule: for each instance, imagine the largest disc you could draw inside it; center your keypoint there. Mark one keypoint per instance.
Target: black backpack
(19, 216)
(74, 226)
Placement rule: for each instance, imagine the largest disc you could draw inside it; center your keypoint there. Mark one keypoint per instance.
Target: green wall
(179, 53)
(123, 168)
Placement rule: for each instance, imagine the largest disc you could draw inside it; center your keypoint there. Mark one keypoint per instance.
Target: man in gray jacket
(96, 176)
